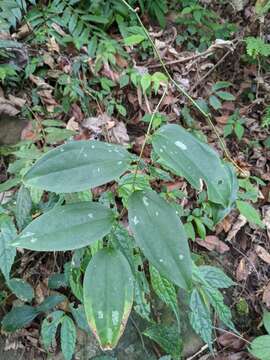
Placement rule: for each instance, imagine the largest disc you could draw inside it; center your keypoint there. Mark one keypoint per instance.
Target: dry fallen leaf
(53, 46)
(96, 124)
(213, 243)
(231, 341)
(266, 295)
(242, 270)
(240, 222)
(262, 253)
(118, 134)
(72, 124)
(10, 107)
(266, 218)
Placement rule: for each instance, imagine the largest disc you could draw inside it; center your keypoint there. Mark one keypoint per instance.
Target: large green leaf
(78, 166)
(67, 227)
(7, 252)
(187, 156)
(161, 236)
(108, 296)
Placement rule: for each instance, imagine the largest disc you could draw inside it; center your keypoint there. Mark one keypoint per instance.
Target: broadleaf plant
(108, 258)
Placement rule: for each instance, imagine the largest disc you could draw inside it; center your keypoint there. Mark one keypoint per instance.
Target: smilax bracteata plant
(111, 279)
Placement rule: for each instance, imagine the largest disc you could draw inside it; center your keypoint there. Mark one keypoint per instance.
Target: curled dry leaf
(52, 45)
(119, 134)
(72, 124)
(242, 270)
(240, 222)
(11, 106)
(262, 253)
(96, 124)
(213, 243)
(23, 31)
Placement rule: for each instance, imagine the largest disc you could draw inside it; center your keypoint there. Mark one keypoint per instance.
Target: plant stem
(184, 92)
(147, 136)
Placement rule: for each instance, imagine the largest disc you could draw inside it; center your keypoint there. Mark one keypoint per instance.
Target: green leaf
(223, 311)
(57, 281)
(159, 79)
(67, 227)
(49, 327)
(21, 289)
(200, 228)
(189, 229)
(80, 317)
(50, 302)
(224, 95)
(151, 217)
(108, 296)
(134, 40)
(200, 318)
(10, 183)
(249, 212)
(167, 337)
(260, 347)
(146, 82)
(215, 277)
(266, 321)
(215, 102)
(239, 130)
(78, 166)
(23, 206)
(165, 291)
(7, 251)
(19, 317)
(187, 156)
(68, 337)
(221, 85)
(125, 243)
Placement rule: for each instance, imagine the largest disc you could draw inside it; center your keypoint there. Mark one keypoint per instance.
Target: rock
(10, 129)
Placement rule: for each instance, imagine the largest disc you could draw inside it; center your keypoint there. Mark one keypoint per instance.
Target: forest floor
(200, 62)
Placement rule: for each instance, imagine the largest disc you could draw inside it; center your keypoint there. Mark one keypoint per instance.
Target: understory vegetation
(134, 183)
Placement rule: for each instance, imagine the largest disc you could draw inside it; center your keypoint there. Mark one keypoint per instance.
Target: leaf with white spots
(108, 296)
(7, 252)
(187, 156)
(67, 227)
(161, 236)
(78, 166)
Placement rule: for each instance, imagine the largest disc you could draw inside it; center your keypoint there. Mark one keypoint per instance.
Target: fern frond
(11, 13)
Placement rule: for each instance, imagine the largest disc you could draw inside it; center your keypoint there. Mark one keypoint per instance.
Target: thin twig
(233, 334)
(207, 116)
(211, 70)
(183, 60)
(147, 136)
(205, 347)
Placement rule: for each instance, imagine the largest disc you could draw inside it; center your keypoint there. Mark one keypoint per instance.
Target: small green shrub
(105, 256)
